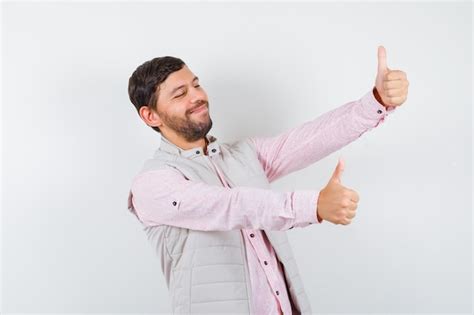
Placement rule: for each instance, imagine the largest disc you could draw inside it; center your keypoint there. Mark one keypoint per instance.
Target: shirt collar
(212, 148)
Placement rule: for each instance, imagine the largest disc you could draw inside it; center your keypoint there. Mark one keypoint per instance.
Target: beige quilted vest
(206, 271)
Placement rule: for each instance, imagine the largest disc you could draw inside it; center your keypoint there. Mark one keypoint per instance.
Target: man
(207, 206)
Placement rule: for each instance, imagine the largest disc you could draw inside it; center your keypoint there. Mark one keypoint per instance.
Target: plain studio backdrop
(72, 142)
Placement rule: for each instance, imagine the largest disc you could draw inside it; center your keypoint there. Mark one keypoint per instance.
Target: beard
(190, 128)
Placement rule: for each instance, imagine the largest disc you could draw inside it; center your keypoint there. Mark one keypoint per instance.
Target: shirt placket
(256, 239)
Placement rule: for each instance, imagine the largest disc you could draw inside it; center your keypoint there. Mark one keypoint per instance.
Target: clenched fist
(336, 203)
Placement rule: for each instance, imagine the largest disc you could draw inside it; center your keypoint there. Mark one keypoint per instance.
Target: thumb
(336, 176)
(382, 60)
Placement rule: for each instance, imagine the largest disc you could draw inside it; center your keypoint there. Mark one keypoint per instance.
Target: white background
(72, 142)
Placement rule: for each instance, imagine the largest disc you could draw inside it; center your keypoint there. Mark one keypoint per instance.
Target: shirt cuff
(304, 206)
(373, 108)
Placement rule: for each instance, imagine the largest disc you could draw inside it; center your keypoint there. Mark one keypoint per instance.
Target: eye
(185, 92)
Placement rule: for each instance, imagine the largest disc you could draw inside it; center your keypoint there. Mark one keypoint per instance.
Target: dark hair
(143, 85)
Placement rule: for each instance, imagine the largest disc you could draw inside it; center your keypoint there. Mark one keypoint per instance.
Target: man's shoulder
(156, 163)
(242, 144)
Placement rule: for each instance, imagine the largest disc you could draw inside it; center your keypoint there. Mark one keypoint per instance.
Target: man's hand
(336, 203)
(391, 86)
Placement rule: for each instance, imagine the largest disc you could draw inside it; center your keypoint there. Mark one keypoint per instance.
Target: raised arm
(303, 145)
(167, 197)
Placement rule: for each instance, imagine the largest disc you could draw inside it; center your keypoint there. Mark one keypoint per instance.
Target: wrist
(377, 96)
(318, 217)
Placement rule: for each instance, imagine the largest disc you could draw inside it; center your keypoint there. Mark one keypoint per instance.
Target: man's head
(165, 92)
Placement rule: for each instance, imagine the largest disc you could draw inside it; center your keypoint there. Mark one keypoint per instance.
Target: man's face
(179, 97)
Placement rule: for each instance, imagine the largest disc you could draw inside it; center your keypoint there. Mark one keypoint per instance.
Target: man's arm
(167, 197)
(303, 145)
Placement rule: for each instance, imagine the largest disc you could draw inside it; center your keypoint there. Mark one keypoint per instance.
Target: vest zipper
(216, 169)
(242, 242)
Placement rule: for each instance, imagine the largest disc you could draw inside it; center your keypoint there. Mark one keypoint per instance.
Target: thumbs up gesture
(391, 86)
(336, 203)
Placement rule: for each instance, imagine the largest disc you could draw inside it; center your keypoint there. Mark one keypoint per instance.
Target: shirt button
(265, 262)
(277, 293)
(252, 235)
(379, 111)
(174, 203)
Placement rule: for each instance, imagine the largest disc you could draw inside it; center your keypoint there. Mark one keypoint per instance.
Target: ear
(150, 117)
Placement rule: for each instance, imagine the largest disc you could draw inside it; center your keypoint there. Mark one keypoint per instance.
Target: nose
(198, 99)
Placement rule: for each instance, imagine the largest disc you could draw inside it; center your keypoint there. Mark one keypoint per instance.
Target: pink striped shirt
(206, 207)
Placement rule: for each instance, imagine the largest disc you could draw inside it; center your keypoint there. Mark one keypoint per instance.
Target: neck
(185, 145)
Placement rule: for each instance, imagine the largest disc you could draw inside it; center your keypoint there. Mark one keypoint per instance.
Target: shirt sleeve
(167, 197)
(303, 145)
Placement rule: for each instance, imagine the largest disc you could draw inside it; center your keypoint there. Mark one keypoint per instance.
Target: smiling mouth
(200, 108)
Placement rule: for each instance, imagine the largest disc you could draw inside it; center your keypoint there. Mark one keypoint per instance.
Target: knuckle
(356, 197)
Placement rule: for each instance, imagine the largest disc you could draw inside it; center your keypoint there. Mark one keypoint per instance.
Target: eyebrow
(183, 85)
